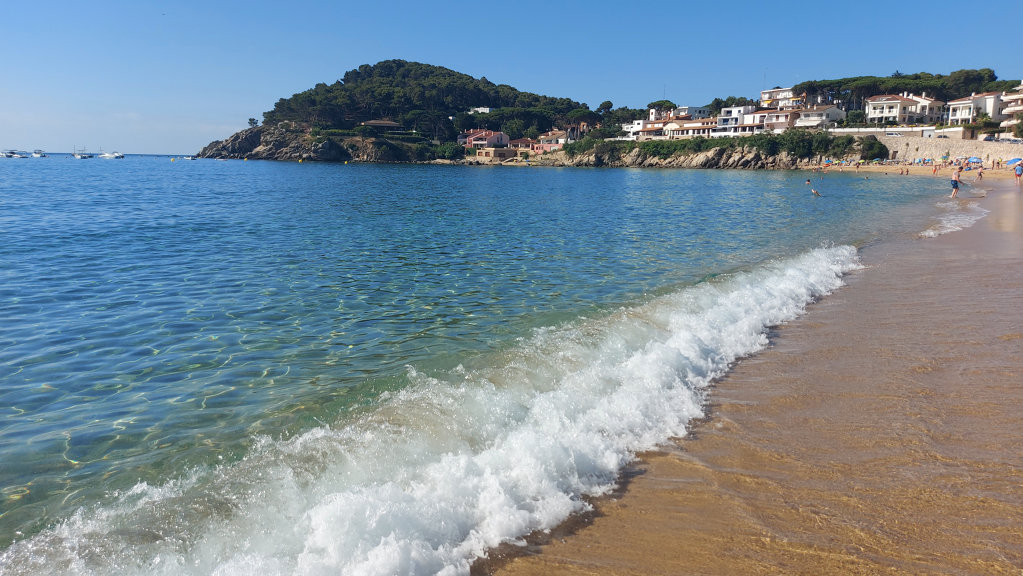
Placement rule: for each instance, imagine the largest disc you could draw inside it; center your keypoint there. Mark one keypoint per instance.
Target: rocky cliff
(738, 158)
(292, 141)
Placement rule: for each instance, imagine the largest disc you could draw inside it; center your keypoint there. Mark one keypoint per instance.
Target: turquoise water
(195, 354)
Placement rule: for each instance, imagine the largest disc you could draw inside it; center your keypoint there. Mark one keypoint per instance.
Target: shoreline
(874, 434)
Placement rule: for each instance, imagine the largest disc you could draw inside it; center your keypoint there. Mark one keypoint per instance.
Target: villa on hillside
(483, 139)
(819, 116)
(736, 121)
(1013, 106)
(889, 108)
(782, 99)
(690, 128)
(522, 143)
(904, 108)
(779, 120)
(928, 110)
(549, 141)
(968, 110)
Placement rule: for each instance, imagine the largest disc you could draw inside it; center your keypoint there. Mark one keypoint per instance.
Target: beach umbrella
(1011, 162)
(973, 159)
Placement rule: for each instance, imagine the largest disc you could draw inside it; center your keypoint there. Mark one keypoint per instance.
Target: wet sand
(881, 433)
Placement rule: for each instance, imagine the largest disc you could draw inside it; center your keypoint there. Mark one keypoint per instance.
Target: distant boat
(38, 154)
(112, 155)
(81, 154)
(14, 154)
(188, 158)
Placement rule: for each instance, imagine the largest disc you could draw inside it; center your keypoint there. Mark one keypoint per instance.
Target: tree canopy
(420, 97)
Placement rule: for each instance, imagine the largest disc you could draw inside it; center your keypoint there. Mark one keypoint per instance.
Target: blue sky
(170, 77)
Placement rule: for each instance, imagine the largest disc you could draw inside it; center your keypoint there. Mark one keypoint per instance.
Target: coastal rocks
(238, 145)
(283, 141)
(373, 150)
(744, 158)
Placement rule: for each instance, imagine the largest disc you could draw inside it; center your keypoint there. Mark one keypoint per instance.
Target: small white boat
(81, 154)
(112, 155)
(38, 154)
(14, 154)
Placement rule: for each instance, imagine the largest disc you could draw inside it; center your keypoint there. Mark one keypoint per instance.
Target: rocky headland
(736, 158)
(289, 141)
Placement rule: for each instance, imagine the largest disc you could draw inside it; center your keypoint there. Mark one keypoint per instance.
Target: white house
(690, 128)
(967, 110)
(694, 112)
(1013, 106)
(682, 111)
(781, 98)
(819, 116)
(928, 110)
(736, 121)
(889, 108)
(632, 129)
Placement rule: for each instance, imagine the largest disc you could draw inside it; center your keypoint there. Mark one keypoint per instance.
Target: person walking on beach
(1018, 171)
(980, 174)
(955, 181)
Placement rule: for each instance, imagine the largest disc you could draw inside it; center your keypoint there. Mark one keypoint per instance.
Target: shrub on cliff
(668, 148)
(871, 148)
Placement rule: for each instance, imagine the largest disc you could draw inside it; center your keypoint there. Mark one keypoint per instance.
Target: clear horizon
(170, 79)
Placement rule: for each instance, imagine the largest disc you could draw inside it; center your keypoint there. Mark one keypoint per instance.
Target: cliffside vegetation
(430, 100)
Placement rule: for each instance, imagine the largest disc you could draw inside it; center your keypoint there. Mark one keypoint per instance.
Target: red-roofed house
(483, 139)
(549, 141)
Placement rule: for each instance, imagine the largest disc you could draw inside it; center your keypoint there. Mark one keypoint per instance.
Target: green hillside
(432, 100)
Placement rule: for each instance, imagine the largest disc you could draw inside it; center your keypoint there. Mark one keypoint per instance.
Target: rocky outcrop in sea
(291, 141)
(737, 158)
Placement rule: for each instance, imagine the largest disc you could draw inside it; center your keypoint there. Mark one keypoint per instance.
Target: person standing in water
(955, 181)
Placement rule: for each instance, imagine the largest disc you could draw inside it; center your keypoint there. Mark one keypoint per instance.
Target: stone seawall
(913, 147)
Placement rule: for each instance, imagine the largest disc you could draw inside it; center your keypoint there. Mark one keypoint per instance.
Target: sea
(252, 367)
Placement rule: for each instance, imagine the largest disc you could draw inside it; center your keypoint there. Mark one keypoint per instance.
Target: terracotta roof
(975, 96)
(891, 98)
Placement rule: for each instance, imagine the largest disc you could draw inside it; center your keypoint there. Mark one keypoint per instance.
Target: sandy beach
(880, 433)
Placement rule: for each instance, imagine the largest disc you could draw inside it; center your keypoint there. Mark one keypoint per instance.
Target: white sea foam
(954, 217)
(454, 464)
